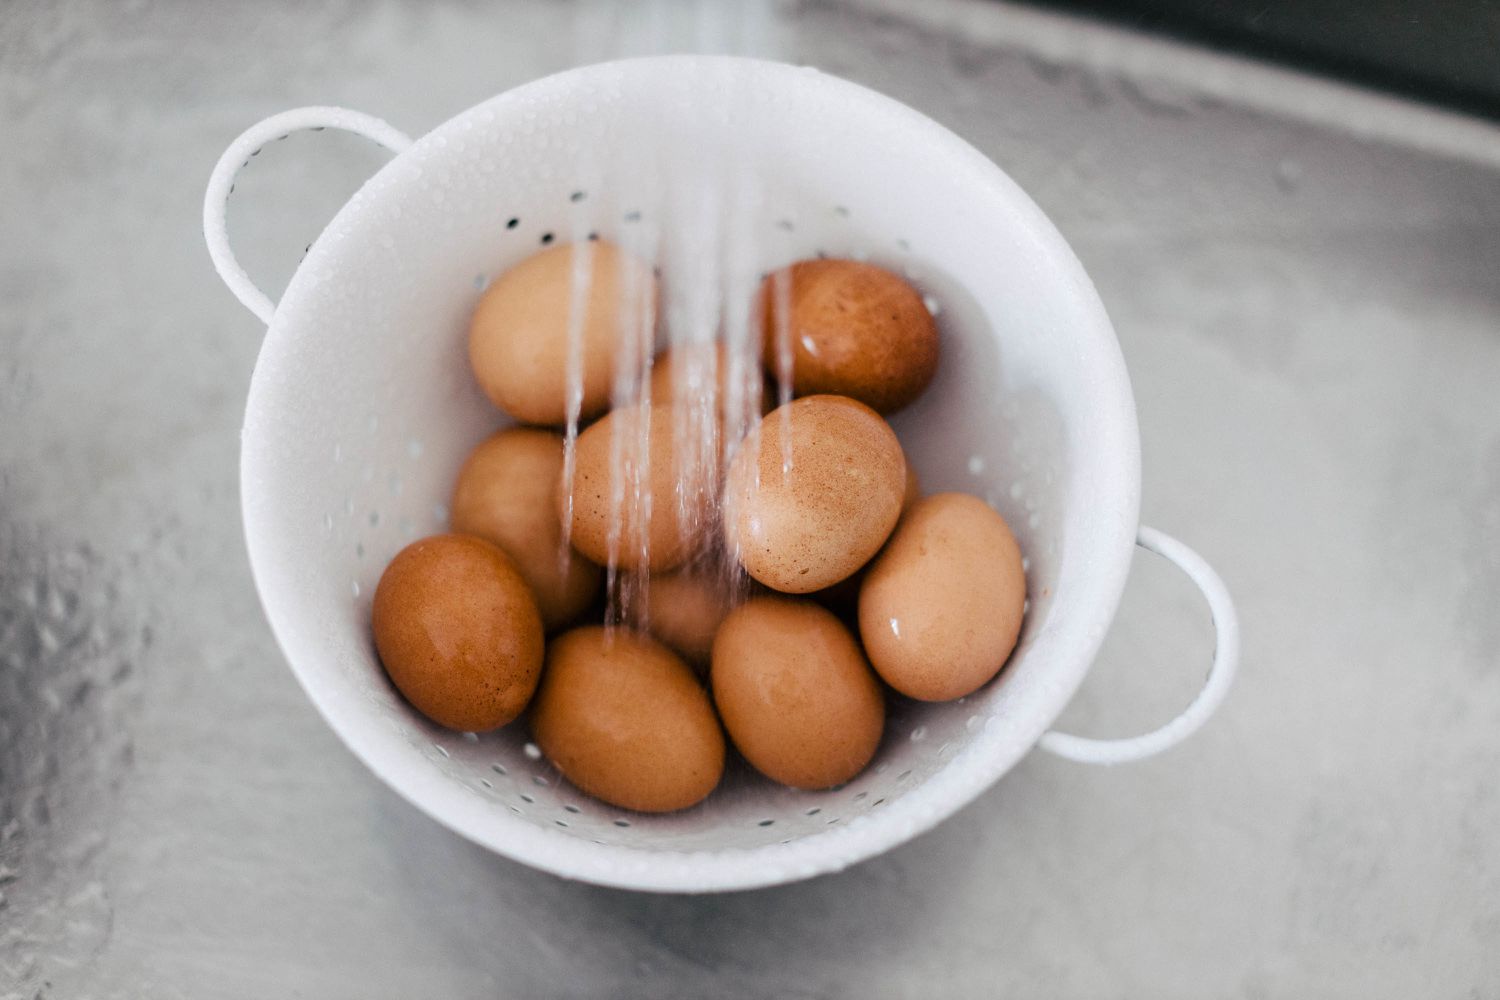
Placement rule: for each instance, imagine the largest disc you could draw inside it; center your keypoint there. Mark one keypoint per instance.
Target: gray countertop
(1306, 284)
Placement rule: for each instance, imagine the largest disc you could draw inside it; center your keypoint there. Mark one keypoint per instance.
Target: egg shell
(518, 337)
(801, 531)
(507, 494)
(940, 608)
(684, 610)
(852, 328)
(458, 632)
(795, 693)
(681, 493)
(626, 721)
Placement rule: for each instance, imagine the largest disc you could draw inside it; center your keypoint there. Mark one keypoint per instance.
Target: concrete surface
(1306, 282)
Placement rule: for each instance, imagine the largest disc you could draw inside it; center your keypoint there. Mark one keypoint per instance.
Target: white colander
(362, 408)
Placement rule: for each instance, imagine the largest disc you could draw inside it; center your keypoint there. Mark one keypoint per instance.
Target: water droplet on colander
(414, 448)
(327, 524)
(532, 751)
(974, 722)
(1034, 521)
(976, 465)
(440, 513)
(354, 588)
(932, 304)
(919, 734)
(1025, 564)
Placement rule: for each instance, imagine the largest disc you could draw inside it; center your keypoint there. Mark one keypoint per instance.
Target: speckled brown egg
(795, 693)
(852, 328)
(684, 610)
(507, 494)
(809, 528)
(680, 493)
(625, 720)
(940, 608)
(518, 338)
(706, 373)
(458, 632)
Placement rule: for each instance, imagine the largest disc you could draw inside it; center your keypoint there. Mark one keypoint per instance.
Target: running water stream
(694, 212)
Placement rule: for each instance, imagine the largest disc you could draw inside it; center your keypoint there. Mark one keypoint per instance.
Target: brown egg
(680, 497)
(704, 370)
(809, 529)
(684, 610)
(626, 721)
(458, 632)
(507, 494)
(940, 608)
(854, 329)
(795, 693)
(518, 338)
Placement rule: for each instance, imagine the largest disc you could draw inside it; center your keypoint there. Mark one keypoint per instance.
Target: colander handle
(237, 157)
(1215, 687)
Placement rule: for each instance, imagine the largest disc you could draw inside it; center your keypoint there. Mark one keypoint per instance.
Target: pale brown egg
(809, 528)
(852, 328)
(518, 338)
(458, 632)
(684, 610)
(680, 493)
(796, 695)
(507, 494)
(706, 373)
(940, 608)
(626, 721)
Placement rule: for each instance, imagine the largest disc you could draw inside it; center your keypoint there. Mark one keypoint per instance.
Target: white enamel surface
(361, 409)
